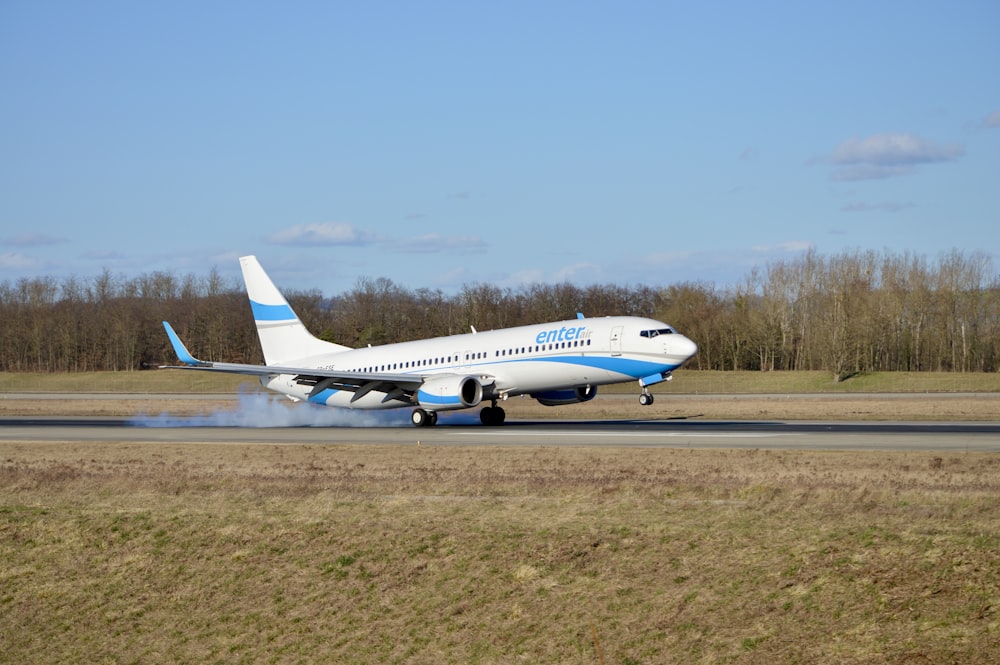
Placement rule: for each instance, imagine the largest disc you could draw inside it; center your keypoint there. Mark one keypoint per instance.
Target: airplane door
(616, 341)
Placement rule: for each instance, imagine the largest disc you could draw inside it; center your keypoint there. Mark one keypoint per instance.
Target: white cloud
(331, 234)
(326, 234)
(888, 155)
(894, 150)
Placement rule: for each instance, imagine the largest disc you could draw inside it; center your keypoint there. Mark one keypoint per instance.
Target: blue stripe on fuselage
(626, 366)
(323, 396)
(428, 398)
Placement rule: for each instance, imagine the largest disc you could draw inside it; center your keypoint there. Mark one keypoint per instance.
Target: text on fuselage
(563, 334)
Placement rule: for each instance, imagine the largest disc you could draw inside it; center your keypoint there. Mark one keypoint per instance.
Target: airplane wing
(396, 386)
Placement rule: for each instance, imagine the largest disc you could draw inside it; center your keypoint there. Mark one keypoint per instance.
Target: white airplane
(555, 363)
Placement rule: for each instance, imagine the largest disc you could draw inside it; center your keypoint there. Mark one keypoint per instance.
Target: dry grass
(701, 382)
(127, 553)
(694, 394)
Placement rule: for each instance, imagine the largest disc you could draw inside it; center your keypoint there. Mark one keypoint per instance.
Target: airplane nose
(688, 348)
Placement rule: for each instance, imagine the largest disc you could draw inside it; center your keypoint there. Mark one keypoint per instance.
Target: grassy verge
(135, 553)
(685, 382)
(698, 382)
(707, 395)
(150, 381)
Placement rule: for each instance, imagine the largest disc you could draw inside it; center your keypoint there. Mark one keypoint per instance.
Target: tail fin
(283, 338)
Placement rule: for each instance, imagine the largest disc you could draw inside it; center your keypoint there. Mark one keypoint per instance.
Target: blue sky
(448, 143)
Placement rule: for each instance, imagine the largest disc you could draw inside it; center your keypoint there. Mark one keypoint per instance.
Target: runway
(777, 435)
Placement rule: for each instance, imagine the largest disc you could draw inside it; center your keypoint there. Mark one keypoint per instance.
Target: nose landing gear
(646, 398)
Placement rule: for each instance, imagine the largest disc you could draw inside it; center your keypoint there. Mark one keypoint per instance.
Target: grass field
(124, 553)
(706, 395)
(685, 382)
(143, 553)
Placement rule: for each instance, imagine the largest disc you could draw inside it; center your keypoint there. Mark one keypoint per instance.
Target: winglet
(182, 353)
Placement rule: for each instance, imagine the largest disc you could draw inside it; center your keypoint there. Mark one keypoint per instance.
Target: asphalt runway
(777, 435)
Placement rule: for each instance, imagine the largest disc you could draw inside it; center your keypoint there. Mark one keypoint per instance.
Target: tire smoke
(260, 410)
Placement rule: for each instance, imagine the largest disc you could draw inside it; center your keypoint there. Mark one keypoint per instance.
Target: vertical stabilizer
(283, 338)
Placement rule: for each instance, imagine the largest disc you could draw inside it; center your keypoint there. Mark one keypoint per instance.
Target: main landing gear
(492, 416)
(489, 416)
(421, 418)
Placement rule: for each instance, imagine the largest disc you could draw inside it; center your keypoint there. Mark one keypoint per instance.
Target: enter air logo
(563, 334)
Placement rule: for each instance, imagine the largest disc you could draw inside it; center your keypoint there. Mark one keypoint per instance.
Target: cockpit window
(655, 333)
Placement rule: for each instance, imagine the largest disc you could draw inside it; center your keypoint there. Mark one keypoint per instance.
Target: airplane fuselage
(523, 360)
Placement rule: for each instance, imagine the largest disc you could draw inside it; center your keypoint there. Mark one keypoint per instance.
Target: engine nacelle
(450, 392)
(571, 396)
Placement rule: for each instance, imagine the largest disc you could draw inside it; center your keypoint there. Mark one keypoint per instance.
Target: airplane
(557, 363)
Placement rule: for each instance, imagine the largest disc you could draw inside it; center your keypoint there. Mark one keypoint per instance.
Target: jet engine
(571, 396)
(450, 392)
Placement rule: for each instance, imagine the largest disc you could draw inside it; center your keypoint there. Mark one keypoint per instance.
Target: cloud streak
(327, 234)
(32, 239)
(888, 155)
(344, 234)
(19, 262)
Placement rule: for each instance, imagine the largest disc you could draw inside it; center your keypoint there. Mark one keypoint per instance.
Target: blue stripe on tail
(262, 312)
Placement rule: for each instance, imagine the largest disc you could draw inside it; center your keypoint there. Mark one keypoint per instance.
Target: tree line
(851, 312)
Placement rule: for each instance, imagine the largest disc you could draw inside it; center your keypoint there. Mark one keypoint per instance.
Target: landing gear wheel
(421, 418)
(492, 416)
(645, 399)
